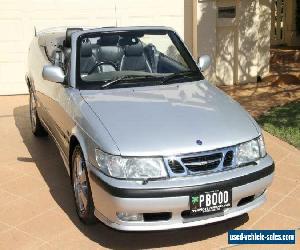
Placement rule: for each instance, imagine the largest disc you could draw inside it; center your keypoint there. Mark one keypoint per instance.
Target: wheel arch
(77, 138)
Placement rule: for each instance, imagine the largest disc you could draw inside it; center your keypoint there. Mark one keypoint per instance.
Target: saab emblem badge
(199, 142)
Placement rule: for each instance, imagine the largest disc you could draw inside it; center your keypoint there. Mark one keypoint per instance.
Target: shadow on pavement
(48, 161)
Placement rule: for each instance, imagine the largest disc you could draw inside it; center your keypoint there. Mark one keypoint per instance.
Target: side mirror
(204, 62)
(53, 73)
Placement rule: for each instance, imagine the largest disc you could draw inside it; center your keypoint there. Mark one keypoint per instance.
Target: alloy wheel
(80, 184)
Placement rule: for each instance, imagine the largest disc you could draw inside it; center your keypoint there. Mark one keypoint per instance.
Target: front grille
(175, 166)
(228, 159)
(201, 163)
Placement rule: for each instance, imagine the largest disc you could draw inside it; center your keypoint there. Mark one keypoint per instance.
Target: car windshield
(133, 58)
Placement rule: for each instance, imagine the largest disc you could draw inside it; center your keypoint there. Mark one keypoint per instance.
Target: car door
(57, 109)
(55, 102)
(60, 114)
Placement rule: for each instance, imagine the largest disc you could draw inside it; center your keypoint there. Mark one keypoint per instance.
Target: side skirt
(63, 156)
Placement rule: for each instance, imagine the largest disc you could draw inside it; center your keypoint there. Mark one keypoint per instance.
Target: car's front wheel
(36, 125)
(81, 188)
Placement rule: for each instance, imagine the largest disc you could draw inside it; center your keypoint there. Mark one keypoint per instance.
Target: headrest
(134, 50)
(108, 40)
(128, 40)
(86, 48)
(110, 53)
(69, 32)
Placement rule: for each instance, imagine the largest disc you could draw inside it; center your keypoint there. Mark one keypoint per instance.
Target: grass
(283, 122)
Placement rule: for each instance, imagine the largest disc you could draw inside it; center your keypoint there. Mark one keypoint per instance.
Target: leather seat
(109, 51)
(87, 59)
(67, 47)
(134, 59)
(152, 56)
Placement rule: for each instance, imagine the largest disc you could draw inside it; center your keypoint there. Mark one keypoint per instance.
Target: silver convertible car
(148, 142)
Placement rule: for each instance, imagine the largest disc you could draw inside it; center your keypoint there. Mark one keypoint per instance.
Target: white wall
(18, 18)
(240, 46)
(248, 41)
(206, 37)
(263, 42)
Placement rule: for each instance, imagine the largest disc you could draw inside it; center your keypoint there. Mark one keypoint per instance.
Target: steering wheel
(102, 63)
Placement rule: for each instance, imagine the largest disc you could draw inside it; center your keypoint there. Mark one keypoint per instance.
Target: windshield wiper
(179, 76)
(126, 77)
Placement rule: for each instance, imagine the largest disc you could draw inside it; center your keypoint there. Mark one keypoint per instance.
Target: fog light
(124, 216)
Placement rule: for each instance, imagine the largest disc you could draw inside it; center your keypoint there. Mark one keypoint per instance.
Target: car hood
(168, 120)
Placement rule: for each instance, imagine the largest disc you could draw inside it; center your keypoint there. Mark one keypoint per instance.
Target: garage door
(18, 18)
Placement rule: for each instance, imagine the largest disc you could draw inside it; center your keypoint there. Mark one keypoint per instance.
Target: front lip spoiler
(182, 191)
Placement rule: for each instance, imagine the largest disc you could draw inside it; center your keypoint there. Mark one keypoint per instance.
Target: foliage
(283, 122)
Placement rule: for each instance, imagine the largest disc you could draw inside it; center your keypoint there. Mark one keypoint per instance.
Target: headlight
(250, 151)
(130, 167)
(262, 147)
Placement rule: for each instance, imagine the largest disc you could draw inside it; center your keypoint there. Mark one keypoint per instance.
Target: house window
(226, 12)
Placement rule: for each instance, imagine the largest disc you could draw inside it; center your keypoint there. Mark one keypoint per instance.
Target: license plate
(209, 202)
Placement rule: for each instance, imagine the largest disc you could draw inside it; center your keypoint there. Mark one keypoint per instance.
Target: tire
(82, 189)
(36, 125)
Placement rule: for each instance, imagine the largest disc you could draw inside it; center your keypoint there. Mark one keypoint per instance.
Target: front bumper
(111, 196)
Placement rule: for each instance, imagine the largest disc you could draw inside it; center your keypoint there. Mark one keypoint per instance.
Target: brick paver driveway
(36, 204)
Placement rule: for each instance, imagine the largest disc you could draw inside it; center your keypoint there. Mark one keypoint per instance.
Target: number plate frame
(210, 202)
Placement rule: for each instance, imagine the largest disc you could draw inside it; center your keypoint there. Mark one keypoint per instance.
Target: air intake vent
(175, 166)
(228, 159)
